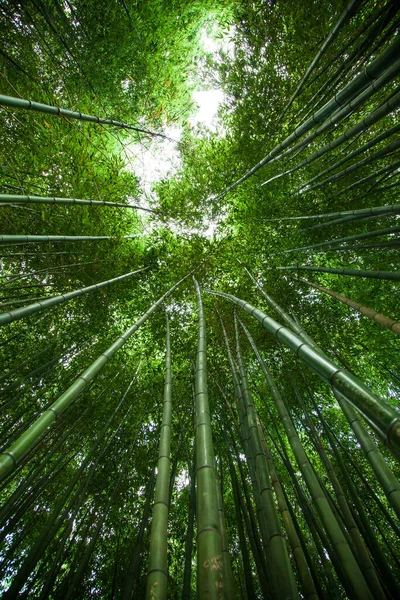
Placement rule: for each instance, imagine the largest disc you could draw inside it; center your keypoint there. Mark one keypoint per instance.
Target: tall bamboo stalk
(71, 114)
(277, 554)
(350, 238)
(361, 308)
(348, 12)
(210, 583)
(383, 473)
(157, 574)
(6, 199)
(353, 575)
(372, 72)
(37, 239)
(385, 275)
(26, 311)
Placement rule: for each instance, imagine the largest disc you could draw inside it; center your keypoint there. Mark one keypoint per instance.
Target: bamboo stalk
(349, 565)
(157, 572)
(361, 308)
(6, 199)
(37, 239)
(26, 311)
(350, 238)
(71, 114)
(380, 415)
(210, 583)
(345, 16)
(372, 72)
(385, 275)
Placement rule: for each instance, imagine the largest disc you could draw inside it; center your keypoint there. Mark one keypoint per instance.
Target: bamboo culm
(371, 72)
(71, 114)
(6, 199)
(361, 308)
(157, 574)
(210, 581)
(353, 575)
(25, 311)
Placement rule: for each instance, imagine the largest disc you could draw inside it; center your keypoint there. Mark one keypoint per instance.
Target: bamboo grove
(200, 375)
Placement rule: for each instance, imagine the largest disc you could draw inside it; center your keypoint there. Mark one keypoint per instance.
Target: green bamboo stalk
(348, 12)
(359, 215)
(60, 511)
(384, 511)
(321, 542)
(391, 208)
(6, 199)
(282, 575)
(157, 574)
(362, 555)
(385, 275)
(229, 589)
(380, 415)
(210, 583)
(130, 580)
(369, 535)
(187, 576)
(37, 239)
(248, 450)
(13, 455)
(26, 311)
(389, 483)
(361, 308)
(394, 145)
(71, 114)
(242, 539)
(349, 238)
(376, 140)
(349, 565)
(373, 71)
(364, 49)
(372, 177)
(305, 576)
